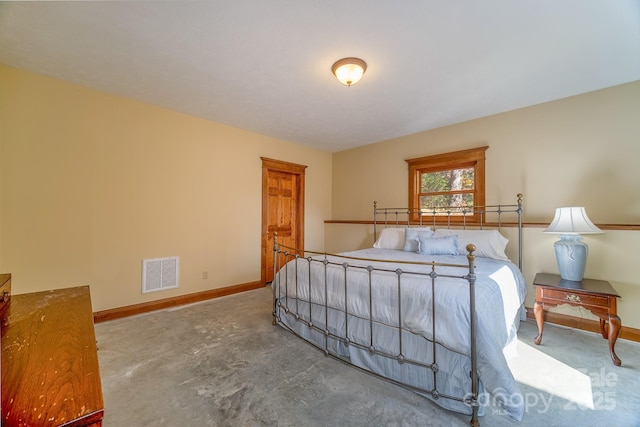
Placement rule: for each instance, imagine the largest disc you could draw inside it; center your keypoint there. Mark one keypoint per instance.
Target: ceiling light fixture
(349, 71)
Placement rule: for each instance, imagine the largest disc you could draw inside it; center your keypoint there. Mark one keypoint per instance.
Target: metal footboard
(288, 263)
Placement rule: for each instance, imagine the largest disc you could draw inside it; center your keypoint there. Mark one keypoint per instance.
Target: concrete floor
(222, 363)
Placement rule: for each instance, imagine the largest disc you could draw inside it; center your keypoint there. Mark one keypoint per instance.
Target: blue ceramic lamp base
(571, 255)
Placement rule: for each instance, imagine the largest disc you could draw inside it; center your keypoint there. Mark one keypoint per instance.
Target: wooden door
(282, 210)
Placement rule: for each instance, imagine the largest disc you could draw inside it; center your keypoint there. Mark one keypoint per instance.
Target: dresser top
(50, 373)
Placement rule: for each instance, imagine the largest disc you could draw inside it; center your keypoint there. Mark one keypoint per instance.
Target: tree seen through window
(445, 189)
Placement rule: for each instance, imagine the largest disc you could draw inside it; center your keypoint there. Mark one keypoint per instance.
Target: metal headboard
(488, 215)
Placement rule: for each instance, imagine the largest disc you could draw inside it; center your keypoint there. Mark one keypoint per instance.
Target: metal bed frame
(301, 310)
(402, 217)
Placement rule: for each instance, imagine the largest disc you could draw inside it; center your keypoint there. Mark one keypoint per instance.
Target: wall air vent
(159, 274)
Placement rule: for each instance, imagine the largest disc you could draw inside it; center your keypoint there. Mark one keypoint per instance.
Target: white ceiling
(265, 65)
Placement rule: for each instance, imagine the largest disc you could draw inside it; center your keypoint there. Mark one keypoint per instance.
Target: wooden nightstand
(597, 296)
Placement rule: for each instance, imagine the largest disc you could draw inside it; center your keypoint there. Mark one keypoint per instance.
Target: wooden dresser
(50, 372)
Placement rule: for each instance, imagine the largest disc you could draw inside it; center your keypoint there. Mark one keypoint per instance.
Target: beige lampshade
(349, 71)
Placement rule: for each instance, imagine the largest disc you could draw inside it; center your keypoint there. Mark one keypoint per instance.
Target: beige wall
(91, 184)
(578, 151)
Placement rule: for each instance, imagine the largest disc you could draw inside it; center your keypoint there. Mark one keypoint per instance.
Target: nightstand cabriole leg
(603, 329)
(614, 330)
(538, 313)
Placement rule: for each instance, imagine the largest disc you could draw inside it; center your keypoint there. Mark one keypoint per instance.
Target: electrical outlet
(205, 275)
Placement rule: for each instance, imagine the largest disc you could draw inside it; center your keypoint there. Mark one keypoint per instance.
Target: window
(447, 186)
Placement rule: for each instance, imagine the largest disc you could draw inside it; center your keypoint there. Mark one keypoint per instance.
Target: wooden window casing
(472, 158)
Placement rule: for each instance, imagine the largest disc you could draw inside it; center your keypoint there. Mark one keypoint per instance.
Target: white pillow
(390, 238)
(489, 243)
(412, 234)
(447, 245)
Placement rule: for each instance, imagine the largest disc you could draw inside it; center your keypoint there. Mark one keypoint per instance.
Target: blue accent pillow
(411, 236)
(438, 245)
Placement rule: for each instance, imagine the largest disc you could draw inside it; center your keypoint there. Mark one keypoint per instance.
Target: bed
(429, 307)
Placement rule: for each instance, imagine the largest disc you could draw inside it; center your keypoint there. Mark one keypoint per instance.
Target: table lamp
(571, 251)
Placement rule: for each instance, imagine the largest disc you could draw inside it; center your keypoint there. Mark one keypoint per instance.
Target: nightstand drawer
(564, 296)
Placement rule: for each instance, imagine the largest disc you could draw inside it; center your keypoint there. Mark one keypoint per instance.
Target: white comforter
(500, 294)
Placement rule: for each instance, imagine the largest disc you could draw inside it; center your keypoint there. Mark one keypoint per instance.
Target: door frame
(298, 172)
